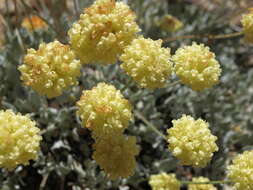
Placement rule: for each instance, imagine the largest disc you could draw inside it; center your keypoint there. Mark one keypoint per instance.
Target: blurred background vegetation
(65, 160)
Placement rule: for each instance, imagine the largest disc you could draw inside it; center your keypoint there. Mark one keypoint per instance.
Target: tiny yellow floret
(247, 23)
(19, 140)
(116, 155)
(164, 181)
(201, 186)
(191, 141)
(104, 110)
(51, 69)
(147, 62)
(241, 171)
(102, 32)
(196, 66)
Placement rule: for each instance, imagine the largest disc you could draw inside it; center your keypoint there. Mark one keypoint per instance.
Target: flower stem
(149, 124)
(208, 182)
(208, 36)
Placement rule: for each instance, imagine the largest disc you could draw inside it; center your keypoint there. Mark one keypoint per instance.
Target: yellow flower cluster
(19, 140)
(103, 31)
(196, 66)
(104, 110)
(201, 186)
(170, 23)
(191, 141)
(247, 23)
(51, 69)
(33, 23)
(147, 62)
(241, 171)
(164, 181)
(116, 155)
(106, 113)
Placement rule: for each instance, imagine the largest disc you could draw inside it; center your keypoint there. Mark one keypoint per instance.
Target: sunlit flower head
(102, 32)
(19, 140)
(51, 69)
(191, 141)
(241, 171)
(104, 110)
(197, 67)
(147, 62)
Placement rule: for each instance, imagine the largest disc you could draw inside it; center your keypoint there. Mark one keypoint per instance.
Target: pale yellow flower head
(191, 141)
(104, 110)
(201, 186)
(241, 171)
(164, 181)
(170, 23)
(196, 66)
(116, 155)
(147, 62)
(102, 32)
(51, 69)
(247, 23)
(19, 140)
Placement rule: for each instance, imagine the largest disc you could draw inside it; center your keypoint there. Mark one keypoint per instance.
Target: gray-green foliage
(65, 160)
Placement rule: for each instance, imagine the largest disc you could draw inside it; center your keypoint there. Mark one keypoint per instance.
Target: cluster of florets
(191, 141)
(241, 171)
(247, 23)
(51, 69)
(164, 181)
(116, 155)
(104, 110)
(103, 31)
(106, 113)
(147, 62)
(201, 186)
(19, 140)
(196, 66)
